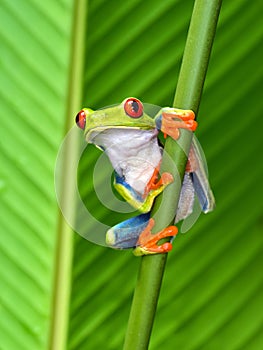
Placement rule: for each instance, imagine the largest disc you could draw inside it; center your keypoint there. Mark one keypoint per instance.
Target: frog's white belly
(134, 153)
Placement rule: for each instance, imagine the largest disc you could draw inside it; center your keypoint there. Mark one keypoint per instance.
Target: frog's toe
(148, 242)
(158, 185)
(154, 249)
(173, 119)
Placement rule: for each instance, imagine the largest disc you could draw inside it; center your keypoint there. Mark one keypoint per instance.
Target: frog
(131, 140)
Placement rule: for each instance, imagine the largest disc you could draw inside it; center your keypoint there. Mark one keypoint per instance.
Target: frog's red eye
(133, 107)
(81, 119)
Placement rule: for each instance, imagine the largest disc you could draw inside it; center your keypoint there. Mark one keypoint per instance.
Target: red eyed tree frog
(130, 139)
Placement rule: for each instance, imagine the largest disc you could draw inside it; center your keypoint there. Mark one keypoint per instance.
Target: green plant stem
(63, 262)
(188, 94)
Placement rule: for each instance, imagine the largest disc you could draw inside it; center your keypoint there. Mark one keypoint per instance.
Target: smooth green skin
(114, 117)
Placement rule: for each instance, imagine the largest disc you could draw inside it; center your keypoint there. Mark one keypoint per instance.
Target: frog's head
(129, 114)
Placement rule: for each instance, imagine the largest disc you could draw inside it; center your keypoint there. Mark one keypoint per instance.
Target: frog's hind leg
(126, 234)
(197, 168)
(136, 233)
(186, 200)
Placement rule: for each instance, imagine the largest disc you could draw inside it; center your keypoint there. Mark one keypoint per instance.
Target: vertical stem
(197, 53)
(189, 89)
(145, 302)
(62, 274)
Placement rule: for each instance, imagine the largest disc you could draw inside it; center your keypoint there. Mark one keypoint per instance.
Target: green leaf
(34, 74)
(211, 296)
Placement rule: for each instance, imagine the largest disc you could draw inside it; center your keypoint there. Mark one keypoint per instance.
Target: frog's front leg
(157, 183)
(171, 120)
(143, 202)
(136, 233)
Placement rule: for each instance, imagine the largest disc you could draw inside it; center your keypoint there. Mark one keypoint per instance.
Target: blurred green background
(212, 293)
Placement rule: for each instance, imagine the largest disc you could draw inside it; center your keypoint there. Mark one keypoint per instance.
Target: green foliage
(211, 296)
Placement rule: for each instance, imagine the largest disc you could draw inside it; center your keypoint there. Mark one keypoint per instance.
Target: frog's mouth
(93, 133)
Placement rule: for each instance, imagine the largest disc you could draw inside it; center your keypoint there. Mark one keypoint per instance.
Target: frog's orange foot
(174, 119)
(155, 184)
(147, 242)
